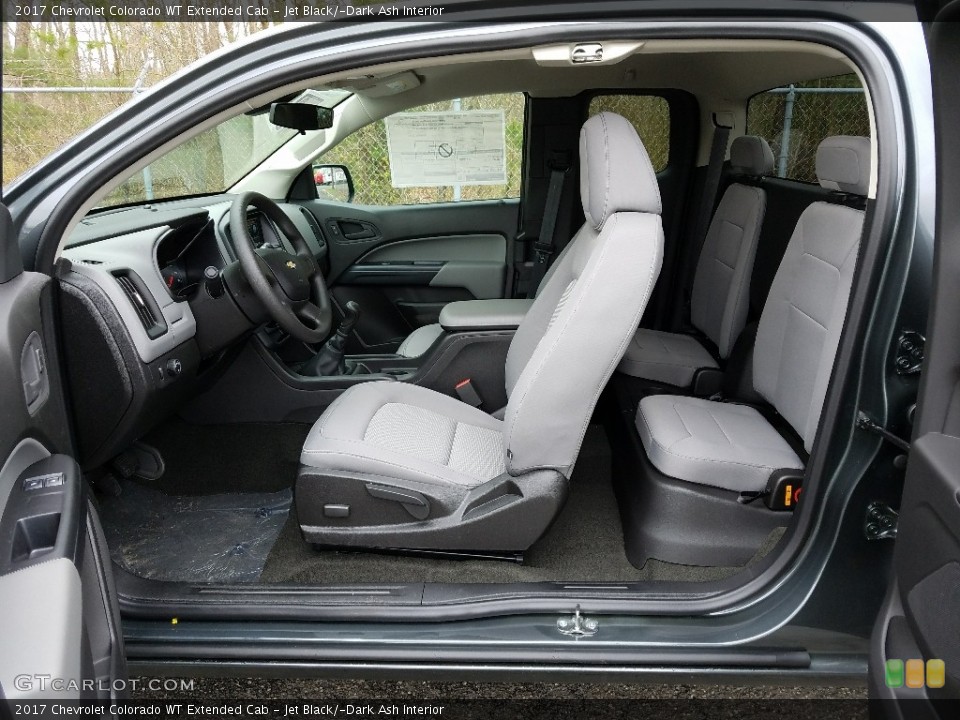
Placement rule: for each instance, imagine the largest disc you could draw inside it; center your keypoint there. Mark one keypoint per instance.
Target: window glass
(483, 147)
(215, 159)
(650, 115)
(795, 119)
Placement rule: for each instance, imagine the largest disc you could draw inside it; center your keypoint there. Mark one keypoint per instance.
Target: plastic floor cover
(210, 538)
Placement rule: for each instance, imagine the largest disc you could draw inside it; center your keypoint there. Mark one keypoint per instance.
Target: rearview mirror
(301, 116)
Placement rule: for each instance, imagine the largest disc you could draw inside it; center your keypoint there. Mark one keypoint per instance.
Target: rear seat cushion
(721, 287)
(802, 320)
(712, 443)
(665, 357)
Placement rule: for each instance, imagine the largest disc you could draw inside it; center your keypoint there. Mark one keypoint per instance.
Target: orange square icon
(936, 673)
(915, 674)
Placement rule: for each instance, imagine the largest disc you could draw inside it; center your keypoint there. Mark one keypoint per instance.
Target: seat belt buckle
(542, 251)
(560, 160)
(468, 393)
(783, 489)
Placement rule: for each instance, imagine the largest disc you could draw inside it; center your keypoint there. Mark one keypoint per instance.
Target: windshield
(216, 159)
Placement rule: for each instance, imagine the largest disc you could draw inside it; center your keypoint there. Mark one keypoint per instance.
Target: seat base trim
(505, 515)
(501, 556)
(678, 521)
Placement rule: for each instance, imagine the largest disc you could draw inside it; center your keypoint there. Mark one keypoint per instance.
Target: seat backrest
(720, 298)
(800, 326)
(579, 325)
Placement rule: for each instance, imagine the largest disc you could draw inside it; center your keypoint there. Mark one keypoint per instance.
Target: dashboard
(150, 281)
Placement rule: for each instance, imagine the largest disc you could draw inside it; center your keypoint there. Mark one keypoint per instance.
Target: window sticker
(431, 149)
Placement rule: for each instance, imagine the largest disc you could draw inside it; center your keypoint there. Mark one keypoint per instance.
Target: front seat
(721, 285)
(392, 465)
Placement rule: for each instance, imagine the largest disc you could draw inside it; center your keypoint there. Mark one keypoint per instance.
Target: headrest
(843, 163)
(615, 170)
(750, 155)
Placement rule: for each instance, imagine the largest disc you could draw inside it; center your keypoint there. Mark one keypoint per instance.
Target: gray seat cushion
(719, 444)
(800, 326)
(669, 358)
(734, 447)
(720, 295)
(398, 431)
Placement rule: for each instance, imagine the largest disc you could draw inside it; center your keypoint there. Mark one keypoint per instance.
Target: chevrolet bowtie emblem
(291, 264)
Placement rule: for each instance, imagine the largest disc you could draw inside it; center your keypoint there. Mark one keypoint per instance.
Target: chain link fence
(649, 114)
(365, 152)
(795, 119)
(37, 121)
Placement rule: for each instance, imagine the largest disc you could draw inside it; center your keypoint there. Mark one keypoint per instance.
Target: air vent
(147, 309)
(314, 225)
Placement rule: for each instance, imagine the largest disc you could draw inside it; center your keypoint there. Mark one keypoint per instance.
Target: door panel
(51, 568)
(919, 620)
(402, 264)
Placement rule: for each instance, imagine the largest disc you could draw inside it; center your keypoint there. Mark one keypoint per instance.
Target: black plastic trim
(391, 273)
(834, 671)
(11, 264)
(59, 508)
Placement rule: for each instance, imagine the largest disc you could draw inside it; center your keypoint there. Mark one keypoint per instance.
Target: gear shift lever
(330, 361)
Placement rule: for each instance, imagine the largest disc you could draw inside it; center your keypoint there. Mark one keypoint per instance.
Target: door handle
(360, 235)
(357, 230)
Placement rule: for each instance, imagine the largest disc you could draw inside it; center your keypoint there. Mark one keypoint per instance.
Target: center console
(264, 386)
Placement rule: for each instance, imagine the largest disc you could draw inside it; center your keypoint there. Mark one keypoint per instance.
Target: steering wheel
(291, 287)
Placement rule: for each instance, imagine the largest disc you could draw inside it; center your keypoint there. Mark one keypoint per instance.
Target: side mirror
(333, 182)
(301, 116)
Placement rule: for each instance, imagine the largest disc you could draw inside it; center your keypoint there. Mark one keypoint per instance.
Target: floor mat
(584, 544)
(212, 538)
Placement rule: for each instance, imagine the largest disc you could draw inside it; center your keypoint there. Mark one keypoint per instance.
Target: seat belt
(543, 248)
(718, 152)
(711, 185)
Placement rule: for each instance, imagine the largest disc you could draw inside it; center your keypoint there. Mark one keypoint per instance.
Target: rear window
(794, 119)
(649, 114)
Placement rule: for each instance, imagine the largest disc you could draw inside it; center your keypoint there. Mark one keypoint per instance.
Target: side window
(796, 118)
(650, 115)
(463, 149)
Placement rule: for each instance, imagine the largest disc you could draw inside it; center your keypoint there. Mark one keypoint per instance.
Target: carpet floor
(248, 467)
(584, 544)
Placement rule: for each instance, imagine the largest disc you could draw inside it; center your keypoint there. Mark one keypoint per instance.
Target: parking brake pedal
(139, 460)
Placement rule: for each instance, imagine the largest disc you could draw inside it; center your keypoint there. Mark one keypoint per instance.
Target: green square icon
(894, 674)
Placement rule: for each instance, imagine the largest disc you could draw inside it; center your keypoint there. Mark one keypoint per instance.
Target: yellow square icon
(914, 674)
(936, 673)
